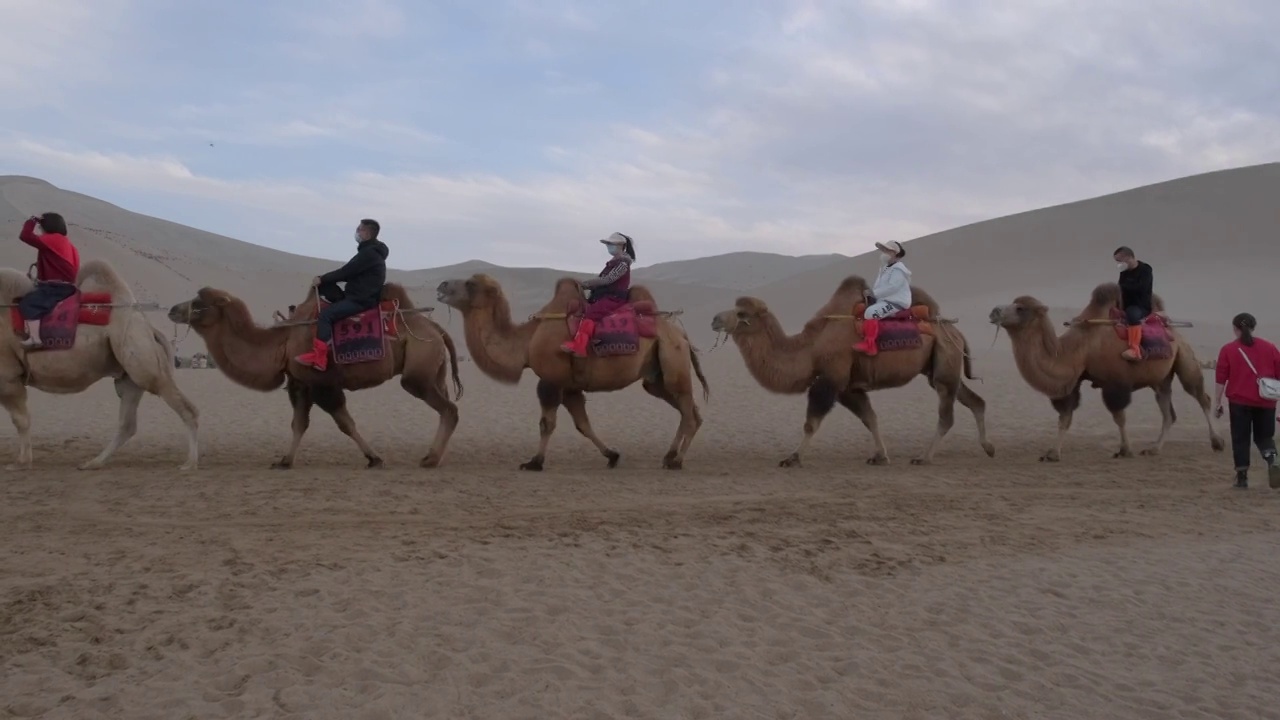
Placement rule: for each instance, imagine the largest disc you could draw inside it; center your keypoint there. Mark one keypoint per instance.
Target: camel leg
(549, 397)
(1191, 377)
(436, 395)
(946, 420)
(300, 399)
(127, 425)
(1164, 400)
(1116, 398)
(822, 397)
(690, 422)
(576, 403)
(168, 392)
(333, 401)
(978, 407)
(1066, 407)
(859, 403)
(13, 395)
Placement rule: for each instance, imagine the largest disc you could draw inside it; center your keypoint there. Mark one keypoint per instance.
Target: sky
(520, 131)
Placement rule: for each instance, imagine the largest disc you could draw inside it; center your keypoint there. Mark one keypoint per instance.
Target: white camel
(128, 349)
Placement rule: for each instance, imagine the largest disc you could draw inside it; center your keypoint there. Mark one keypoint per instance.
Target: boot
(33, 340)
(318, 358)
(1273, 470)
(1242, 480)
(1134, 351)
(578, 345)
(870, 332)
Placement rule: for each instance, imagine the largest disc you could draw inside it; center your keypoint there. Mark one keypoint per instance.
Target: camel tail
(697, 370)
(453, 363)
(968, 359)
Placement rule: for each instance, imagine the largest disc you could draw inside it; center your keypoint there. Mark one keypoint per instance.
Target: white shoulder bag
(1268, 387)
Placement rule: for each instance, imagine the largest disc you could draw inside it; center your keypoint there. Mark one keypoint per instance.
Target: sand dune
(974, 588)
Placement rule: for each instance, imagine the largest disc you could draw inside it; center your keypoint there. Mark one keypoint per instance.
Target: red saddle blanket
(363, 336)
(1157, 340)
(619, 332)
(903, 330)
(58, 328)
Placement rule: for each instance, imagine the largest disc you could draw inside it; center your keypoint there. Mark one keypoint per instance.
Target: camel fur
(1057, 366)
(502, 350)
(261, 358)
(127, 349)
(821, 361)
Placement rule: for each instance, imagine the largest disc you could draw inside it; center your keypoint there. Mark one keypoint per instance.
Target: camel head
(1019, 314)
(204, 310)
(477, 292)
(746, 316)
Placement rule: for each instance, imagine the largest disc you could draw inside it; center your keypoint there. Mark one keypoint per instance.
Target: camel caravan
(354, 331)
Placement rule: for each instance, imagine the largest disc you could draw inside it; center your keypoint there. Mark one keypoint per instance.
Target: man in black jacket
(364, 275)
(1135, 297)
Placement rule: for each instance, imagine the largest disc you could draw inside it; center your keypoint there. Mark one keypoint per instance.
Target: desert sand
(973, 588)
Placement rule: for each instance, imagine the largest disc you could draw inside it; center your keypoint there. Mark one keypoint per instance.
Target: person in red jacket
(1240, 363)
(57, 265)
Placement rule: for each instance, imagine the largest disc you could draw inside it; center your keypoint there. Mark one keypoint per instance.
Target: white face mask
(357, 236)
(37, 230)
(887, 258)
(614, 250)
(1122, 266)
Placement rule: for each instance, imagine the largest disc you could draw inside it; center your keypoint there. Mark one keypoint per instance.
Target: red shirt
(1241, 381)
(56, 258)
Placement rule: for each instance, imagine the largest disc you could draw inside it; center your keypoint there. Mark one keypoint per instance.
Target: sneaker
(1242, 480)
(1273, 472)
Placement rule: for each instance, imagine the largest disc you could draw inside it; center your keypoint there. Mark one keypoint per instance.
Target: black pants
(1134, 315)
(1251, 423)
(43, 298)
(340, 308)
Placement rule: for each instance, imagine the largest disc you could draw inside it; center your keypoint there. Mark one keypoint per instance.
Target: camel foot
(672, 463)
(374, 462)
(188, 467)
(1150, 452)
(792, 460)
(431, 460)
(90, 465)
(534, 465)
(1123, 452)
(613, 456)
(989, 449)
(17, 467)
(283, 463)
(878, 460)
(921, 461)
(1051, 456)
(1217, 444)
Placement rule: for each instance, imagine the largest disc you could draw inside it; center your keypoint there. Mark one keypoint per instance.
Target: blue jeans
(1134, 315)
(340, 309)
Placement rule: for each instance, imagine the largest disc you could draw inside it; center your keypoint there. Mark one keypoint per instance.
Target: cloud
(519, 132)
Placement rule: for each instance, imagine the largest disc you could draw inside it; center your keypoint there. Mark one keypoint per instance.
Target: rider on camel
(364, 274)
(57, 265)
(1135, 297)
(891, 294)
(607, 292)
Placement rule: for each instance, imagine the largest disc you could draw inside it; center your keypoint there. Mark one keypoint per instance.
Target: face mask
(37, 230)
(613, 250)
(886, 257)
(357, 236)
(1122, 266)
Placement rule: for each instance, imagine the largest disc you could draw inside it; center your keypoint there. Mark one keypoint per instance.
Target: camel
(502, 350)
(821, 361)
(1090, 350)
(261, 358)
(127, 348)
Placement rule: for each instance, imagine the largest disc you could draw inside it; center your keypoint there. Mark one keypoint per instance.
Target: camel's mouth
(180, 313)
(445, 293)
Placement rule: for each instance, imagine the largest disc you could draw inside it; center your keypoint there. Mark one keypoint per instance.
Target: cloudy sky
(520, 131)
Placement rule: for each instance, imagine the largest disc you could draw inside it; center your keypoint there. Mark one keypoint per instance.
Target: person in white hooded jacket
(890, 294)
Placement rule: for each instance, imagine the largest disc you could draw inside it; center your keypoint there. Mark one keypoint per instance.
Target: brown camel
(127, 349)
(1090, 350)
(503, 349)
(821, 360)
(261, 358)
